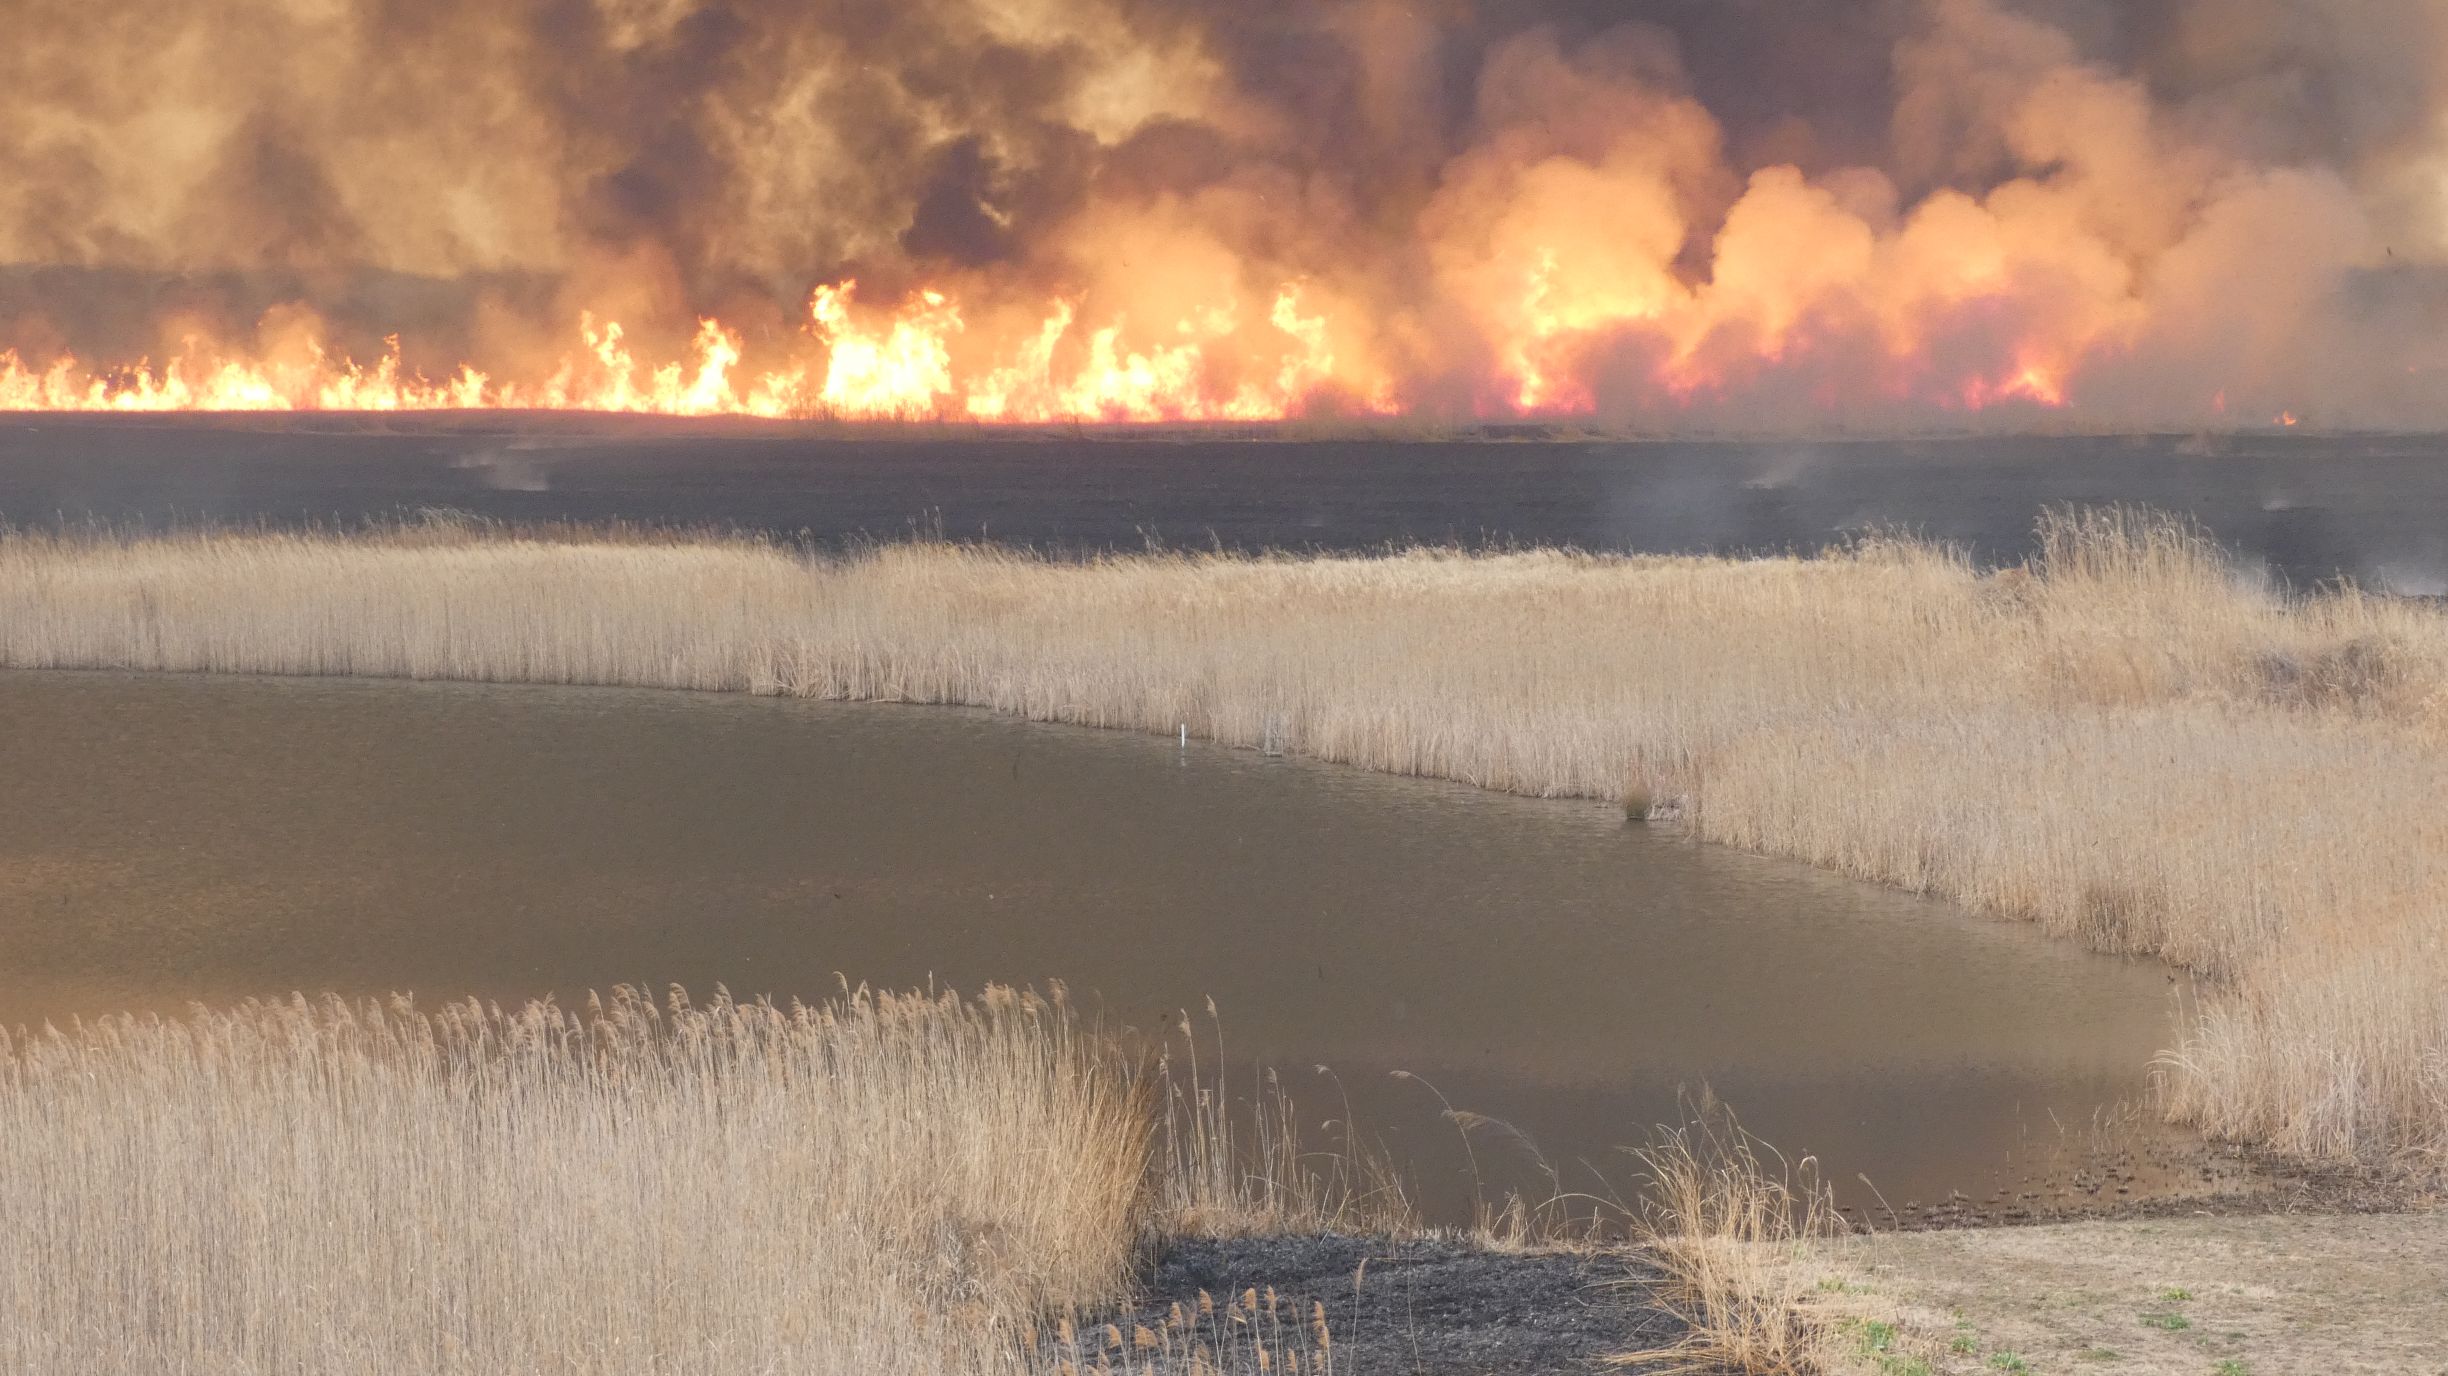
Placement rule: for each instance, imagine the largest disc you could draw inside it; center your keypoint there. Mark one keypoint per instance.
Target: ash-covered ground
(1423, 1307)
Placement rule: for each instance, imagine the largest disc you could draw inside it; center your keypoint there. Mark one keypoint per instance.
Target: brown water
(167, 838)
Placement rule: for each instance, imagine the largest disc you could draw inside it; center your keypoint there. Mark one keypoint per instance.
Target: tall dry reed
(880, 1184)
(1236, 1163)
(1730, 1224)
(2130, 741)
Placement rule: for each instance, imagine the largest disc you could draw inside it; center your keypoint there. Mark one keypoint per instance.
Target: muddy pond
(172, 838)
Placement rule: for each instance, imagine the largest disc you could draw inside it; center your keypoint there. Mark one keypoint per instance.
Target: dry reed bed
(2129, 741)
(881, 1185)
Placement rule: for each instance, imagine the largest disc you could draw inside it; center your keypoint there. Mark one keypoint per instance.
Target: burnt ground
(1421, 1307)
(2228, 1181)
(1443, 1307)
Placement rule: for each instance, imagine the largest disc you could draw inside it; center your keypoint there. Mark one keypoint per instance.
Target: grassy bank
(2129, 741)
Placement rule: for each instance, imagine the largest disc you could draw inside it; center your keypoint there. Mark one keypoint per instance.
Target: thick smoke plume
(1768, 214)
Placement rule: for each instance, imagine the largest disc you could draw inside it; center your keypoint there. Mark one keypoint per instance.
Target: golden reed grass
(2129, 741)
(882, 1184)
(1732, 1237)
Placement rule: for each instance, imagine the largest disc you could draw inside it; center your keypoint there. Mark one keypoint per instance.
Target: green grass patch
(2167, 1323)
(1878, 1340)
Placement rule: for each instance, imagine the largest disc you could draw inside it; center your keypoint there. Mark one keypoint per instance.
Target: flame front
(896, 365)
(921, 361)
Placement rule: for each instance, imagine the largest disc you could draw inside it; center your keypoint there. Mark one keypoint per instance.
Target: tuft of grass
(2009, 1362)
(1253, 1333)
(1731, 1236)
(2168, 1322)
(1877, 1340)
(1237, 1165)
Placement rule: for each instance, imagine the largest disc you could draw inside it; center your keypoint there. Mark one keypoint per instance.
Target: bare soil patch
(2266, 1295)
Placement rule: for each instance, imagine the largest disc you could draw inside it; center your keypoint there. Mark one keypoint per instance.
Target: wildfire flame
(903, 364)
(897, 366)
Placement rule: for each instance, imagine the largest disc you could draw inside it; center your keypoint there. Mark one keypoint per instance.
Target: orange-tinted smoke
(1098, 211)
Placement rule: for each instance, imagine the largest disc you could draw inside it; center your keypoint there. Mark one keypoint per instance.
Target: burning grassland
(2129, 741)
(2197, 213)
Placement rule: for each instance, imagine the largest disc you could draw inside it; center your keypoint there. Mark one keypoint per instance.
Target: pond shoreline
(2089, 742)
(2269, 1184)
(1539, 963)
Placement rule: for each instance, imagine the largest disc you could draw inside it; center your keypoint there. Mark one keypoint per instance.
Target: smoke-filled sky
(1766, 214)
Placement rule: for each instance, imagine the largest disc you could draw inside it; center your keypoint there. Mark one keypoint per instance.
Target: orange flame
(1550, 310)
(904, 373)
(2033, 382)
(897, 366)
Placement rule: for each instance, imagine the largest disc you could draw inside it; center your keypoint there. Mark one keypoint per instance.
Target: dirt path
(2278, 1295)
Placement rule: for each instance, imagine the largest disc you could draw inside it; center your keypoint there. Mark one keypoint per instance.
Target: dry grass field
(2129, 741)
